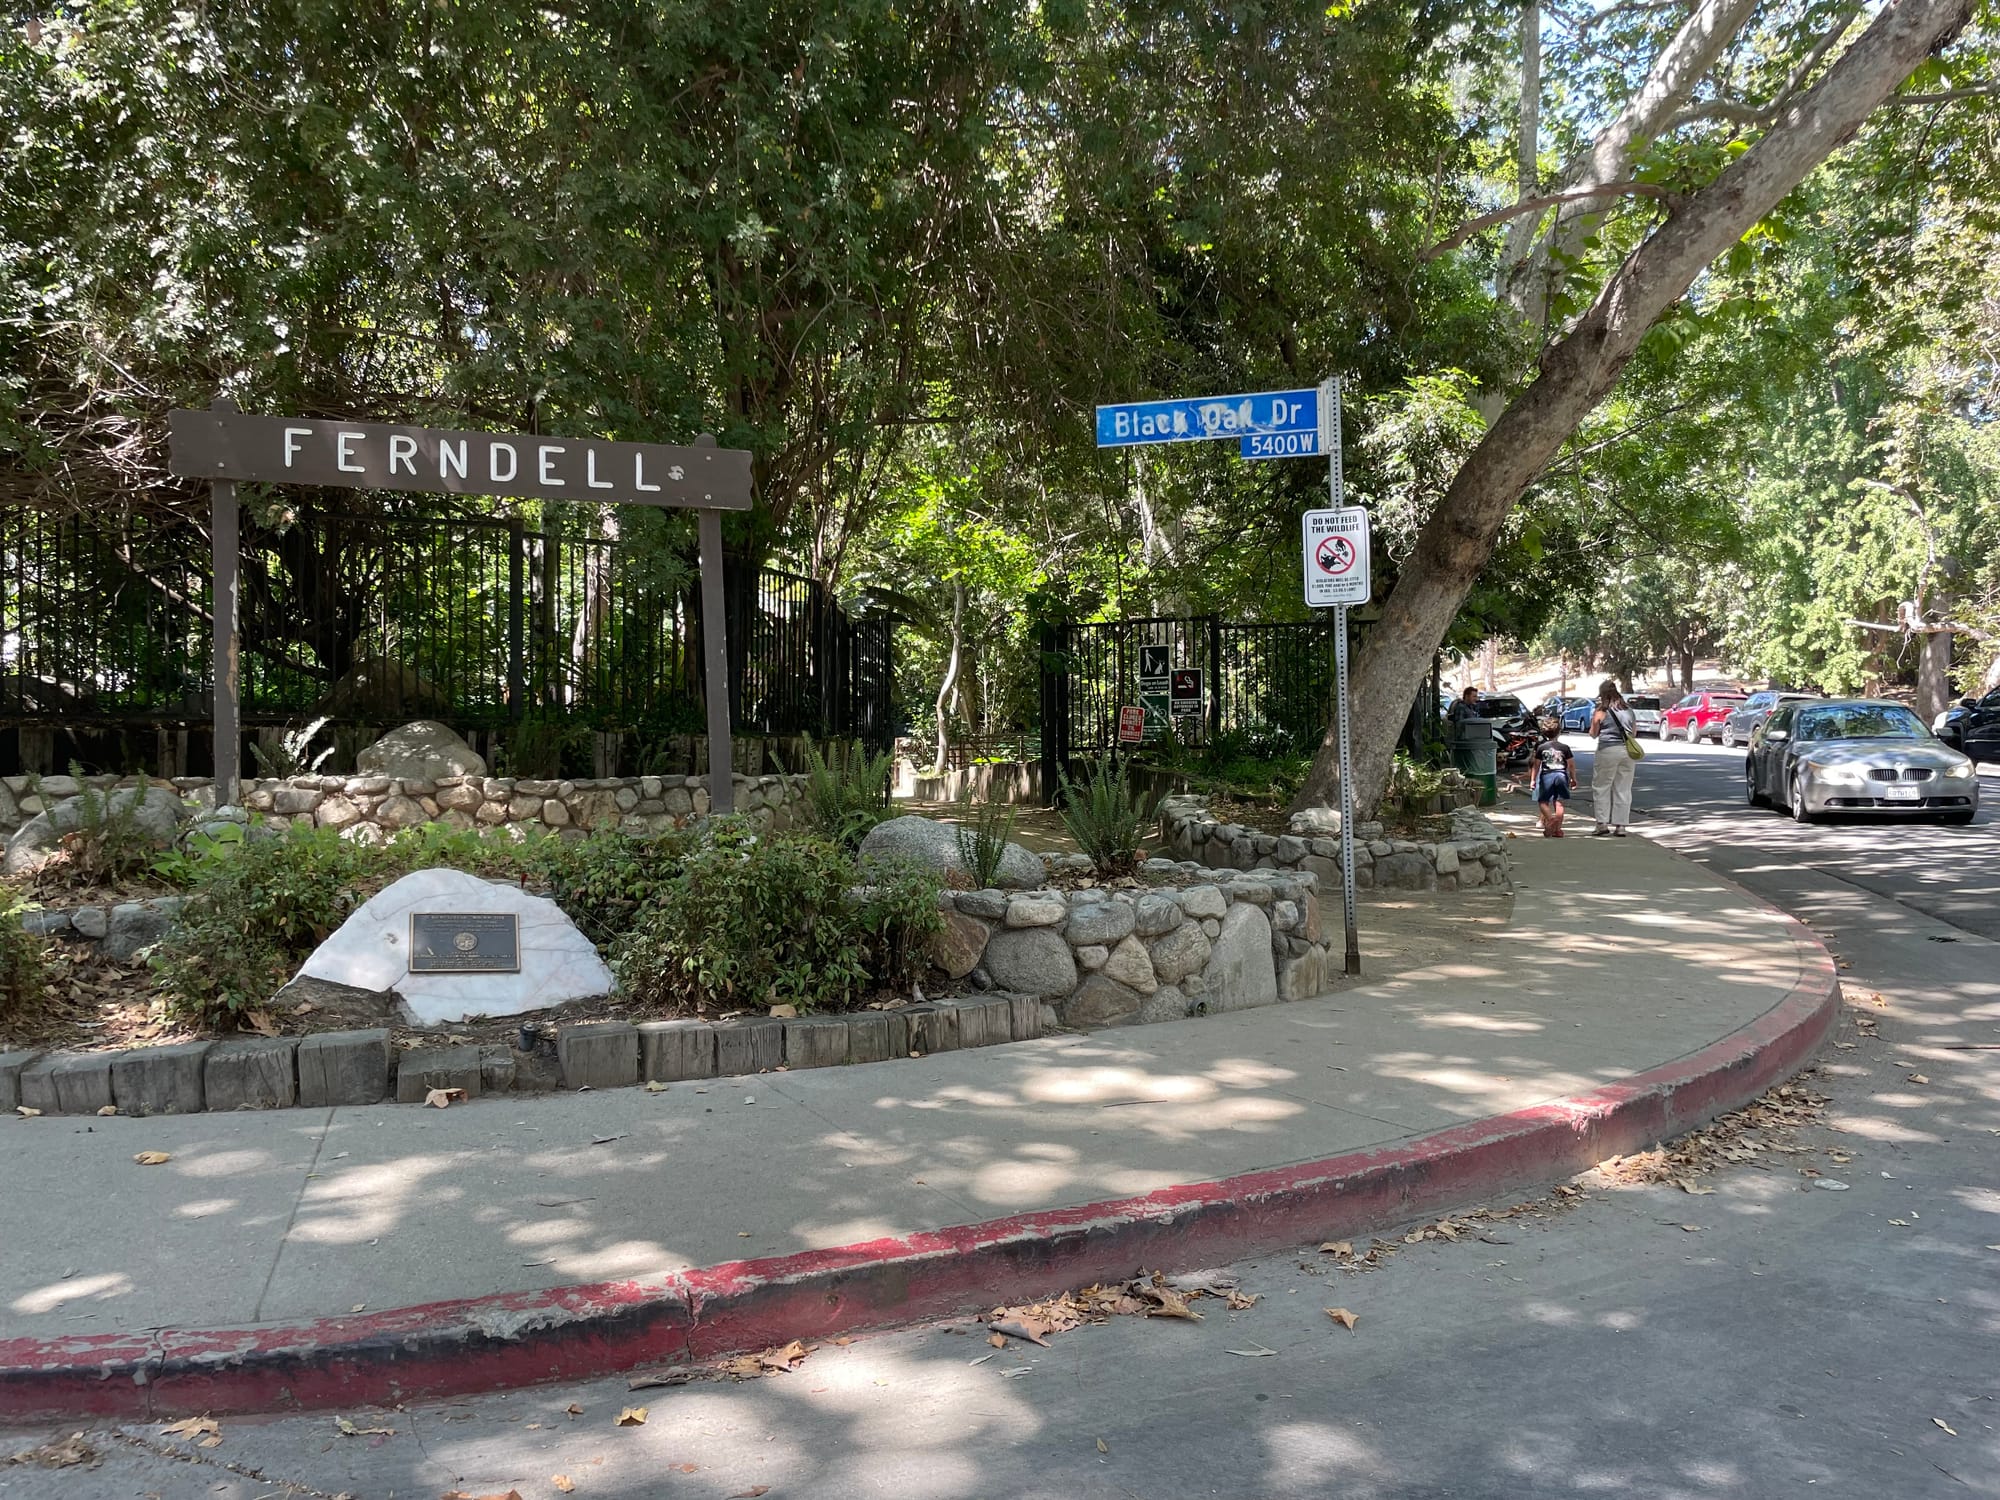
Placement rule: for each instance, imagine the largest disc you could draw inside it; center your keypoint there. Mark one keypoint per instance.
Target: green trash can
(1476, 753)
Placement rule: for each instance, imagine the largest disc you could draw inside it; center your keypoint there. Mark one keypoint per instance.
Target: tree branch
(1946, 96)
(1471, 227)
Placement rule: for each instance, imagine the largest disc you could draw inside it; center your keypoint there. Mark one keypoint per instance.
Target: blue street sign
(1197, 419)
(1282, 445)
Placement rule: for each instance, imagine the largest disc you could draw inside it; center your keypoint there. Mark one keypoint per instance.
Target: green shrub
(255, 914)
(604, 881)
(983, 834)
(847, 791)
(781, 919)
(1106, 817)
(23, 966)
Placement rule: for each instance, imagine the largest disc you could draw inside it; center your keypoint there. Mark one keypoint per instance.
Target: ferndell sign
(377, 456)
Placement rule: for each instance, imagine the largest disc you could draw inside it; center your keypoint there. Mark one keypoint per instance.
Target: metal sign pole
(1336, 485)
(223, 614)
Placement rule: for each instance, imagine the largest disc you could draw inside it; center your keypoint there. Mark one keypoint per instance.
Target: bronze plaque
(465, 942)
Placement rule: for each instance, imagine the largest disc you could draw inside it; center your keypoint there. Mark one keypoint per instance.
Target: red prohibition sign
(1335, 554)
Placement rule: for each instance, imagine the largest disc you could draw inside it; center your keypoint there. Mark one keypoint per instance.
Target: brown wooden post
(228, 668)
(715, 658)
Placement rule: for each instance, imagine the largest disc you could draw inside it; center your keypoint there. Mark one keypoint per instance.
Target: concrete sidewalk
(299, 1255)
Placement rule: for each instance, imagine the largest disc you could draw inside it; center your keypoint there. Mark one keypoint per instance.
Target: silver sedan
(1857, 756)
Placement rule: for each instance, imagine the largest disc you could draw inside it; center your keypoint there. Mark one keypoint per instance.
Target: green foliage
(606, 879)
(984, 829)
(197, 852)
(782, 919)
(254, 915)
(1414, 782)
(23, 957)
(1106, 817)
(847, 791)
(107, 842)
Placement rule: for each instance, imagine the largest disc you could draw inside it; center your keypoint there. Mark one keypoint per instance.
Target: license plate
(1902, 794)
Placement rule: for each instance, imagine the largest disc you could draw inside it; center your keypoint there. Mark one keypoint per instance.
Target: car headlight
(1961, 772)
(1839, 775)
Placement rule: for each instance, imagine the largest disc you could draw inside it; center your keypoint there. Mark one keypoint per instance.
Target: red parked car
(1699, 716)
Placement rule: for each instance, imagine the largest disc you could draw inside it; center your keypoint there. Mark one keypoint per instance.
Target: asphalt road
(1776, 1336)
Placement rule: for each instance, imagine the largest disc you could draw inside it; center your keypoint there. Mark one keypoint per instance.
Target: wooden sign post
(224, 446)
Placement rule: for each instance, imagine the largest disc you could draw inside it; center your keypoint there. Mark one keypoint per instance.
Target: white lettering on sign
(493, 453)
(547, 472)
(341, 453)
(639, 474)
(590, 471)
(292, 435)
(1336, 557)
(448, 460)
(403, 450)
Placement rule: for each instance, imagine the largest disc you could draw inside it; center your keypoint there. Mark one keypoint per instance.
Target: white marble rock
(371, 951)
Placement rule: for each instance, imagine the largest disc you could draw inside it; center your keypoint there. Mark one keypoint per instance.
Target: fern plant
(847, 791)
(1105, 817)
(984, 830)
(290, 755)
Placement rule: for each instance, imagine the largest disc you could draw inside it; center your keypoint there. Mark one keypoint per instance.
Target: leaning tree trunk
(1576, 372)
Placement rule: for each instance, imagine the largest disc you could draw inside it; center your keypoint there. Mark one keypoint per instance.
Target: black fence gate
(475, 620)
(1270, 685)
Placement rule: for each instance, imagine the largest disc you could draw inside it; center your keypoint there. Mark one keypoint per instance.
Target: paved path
(1616, 958)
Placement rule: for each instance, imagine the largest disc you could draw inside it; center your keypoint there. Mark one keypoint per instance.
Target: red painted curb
(491, 1343)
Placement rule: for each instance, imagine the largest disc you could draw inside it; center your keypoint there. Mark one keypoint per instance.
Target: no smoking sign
(1336, 557)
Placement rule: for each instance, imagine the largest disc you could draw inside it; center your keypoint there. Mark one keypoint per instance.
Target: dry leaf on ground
(633, 1416)
(193, 1427)
(1255, 1351)
(1238, 1301)
(1342, 1316)
(467, 1495)
(349, 1429)
(27, 1111)
(67, 1454)
(752, 1493)
(996, 1340)
(1337, 1247)
(562, 1482)
(153, 1158)
(259, 1022)
(785, 1012)
(1940, 1421)
(1918, 1078)
(108, 1111)
(443, 1098)
(573, 1409)
(1102, 1446)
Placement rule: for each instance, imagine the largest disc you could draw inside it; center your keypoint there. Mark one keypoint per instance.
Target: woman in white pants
(1611, 775)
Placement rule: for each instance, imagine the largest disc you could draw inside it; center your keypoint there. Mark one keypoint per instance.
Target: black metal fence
(1270, 686)
(474, 620)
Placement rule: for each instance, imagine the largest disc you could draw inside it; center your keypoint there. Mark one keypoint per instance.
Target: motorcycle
(1515, 745)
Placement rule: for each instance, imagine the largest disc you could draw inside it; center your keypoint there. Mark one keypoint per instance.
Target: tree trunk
(1577, 370)
(1691, 53)
(1687, 669)
(1527, 149)
(948, 689)
(1934, 675)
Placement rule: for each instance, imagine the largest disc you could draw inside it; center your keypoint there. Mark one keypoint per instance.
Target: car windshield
(1501, 708)
(1640, 700)
(1860, 721)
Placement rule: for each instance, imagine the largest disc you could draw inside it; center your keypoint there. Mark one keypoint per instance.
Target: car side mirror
(1777, 734)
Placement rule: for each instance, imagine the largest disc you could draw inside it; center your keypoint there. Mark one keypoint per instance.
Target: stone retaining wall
(363, 1067)
(1210, 940)
(372, 807)
(1474, 855)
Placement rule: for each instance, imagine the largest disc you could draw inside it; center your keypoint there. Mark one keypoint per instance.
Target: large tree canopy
(1673, 286)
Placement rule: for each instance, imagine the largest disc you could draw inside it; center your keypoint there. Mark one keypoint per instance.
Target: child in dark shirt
(1555, 774)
